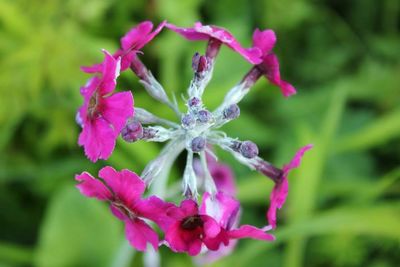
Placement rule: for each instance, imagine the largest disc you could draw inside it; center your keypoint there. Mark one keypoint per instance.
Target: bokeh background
(342, 55)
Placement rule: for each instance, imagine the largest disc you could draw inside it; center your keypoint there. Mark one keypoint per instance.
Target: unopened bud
(199, 63)
(132, 131)
(231, 112)
(188, 120)
(248, 149)
(198, 144)
(204, 116)
(194, 101)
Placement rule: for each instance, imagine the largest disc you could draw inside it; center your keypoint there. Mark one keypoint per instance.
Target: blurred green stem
(124, 255)
(15, 254)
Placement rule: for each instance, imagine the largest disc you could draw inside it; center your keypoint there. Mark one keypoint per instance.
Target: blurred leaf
(77, 232)
(375, 133)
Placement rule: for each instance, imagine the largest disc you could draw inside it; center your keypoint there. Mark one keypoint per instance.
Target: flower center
(125, 210)
(192, 222)
(93, 104)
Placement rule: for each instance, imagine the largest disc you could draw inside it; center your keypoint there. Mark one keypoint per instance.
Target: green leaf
(77, 232)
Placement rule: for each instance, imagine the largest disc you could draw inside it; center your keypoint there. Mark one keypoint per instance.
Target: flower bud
(248, 149)
(194, 101)
(204, 116)
(231, 112)
(198, 144)
(132, 131)
(188, 120)
(199, 63)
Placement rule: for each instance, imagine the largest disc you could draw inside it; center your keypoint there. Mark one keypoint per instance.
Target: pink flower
(265, 41)
(134, 40)
(280, 190)
(225, 210)
(103, 114)
(205, 32)
(124, 190)
(187, 232)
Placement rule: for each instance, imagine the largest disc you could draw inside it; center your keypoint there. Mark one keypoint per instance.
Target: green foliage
(342, 56)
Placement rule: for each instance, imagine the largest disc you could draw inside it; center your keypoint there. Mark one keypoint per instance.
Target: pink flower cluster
(191, 227)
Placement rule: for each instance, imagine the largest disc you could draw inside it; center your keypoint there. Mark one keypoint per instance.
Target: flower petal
(270, 65)
(91, 187)
(126, 185)
(98, 139)
(134, 35)
(111, 69)
(139, 234)
(264, 40)
(205, 32)
(280, 190)
(117, 108)
(223, 208)
(210, 226)
(155, 209)
(249, 231)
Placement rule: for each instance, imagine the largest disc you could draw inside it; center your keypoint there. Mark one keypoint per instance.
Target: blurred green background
(343, 56)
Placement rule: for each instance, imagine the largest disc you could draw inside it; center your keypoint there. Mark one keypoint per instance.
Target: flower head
(207, 32)
(281, 188)
(190, 228)
(103, 113)
(124, 191)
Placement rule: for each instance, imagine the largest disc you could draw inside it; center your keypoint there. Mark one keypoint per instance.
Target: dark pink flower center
(192, 222)
(93, 106)
(125, 210)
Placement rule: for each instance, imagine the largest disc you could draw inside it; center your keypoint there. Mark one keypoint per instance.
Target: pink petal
(295, 162)
(249, 231)
(155, 209)
(264, 40)
(277, 199)
(212, 256)
(97, 138)
(181, 240)
(214, 243)
(126, 185)
(139, 234)
(111, 69)
(195, 247)
(117, 108)
(95, 68)
(91, 187)
(210, 226)
(133, 36)
(223, 208)
(280, 190)
(187, 208)
(271, 68)
(205, 32)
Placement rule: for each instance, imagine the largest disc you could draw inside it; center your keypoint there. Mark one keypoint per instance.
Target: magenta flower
(225, 210)
(190, 228)
(280, 190)
(265, 41)
(124, 190)
(103, 113)
(131, 43)
(206, 32)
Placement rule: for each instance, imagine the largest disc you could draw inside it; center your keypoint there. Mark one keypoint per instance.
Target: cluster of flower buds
(211, 225)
